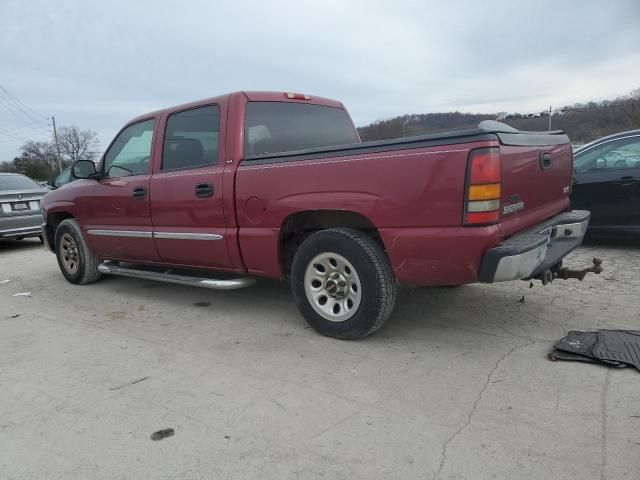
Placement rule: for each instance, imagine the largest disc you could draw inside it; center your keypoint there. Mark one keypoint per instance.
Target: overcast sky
(97, 64)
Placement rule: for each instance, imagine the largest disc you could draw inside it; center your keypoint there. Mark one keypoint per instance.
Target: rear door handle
(139, 192)
(204, 190)
(627, 181)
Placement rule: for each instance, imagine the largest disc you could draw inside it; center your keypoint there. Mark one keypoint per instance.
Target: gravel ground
(456, 385)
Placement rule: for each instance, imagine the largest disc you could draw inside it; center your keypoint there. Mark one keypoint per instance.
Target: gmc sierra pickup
(263, 184)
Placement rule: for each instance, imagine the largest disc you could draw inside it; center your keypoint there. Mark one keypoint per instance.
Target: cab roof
(251, 96)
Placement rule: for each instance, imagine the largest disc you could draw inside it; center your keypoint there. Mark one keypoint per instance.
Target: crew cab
(269, 184)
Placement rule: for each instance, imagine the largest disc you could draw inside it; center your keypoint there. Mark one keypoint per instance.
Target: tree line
(582, 122)
(39, 159)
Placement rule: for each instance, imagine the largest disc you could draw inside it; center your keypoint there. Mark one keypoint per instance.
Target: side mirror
(83, 169)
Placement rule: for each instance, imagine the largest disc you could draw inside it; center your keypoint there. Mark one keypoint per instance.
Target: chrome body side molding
(120, 233)
(159, 235)
(186, 236)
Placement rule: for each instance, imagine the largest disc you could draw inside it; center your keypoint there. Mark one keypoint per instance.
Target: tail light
(482, 201)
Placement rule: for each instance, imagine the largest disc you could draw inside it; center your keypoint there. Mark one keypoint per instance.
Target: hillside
(582, 122)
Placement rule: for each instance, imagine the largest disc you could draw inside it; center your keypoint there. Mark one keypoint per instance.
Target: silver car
(20, 213)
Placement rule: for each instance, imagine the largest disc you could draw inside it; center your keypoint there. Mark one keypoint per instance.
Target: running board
(112, 268)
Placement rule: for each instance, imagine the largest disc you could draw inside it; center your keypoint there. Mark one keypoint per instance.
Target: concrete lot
(456, 386)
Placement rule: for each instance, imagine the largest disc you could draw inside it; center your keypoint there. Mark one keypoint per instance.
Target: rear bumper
(20, 226)
(536, 250)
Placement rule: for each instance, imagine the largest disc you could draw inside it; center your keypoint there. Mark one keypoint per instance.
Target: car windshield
(17, 182)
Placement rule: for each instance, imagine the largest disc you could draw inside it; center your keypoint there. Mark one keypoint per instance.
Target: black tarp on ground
(617, 348)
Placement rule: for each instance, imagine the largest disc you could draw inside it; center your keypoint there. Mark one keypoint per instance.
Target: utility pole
(55, 136)
(549, 118)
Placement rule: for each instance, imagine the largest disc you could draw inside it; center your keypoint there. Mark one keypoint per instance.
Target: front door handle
(204, 190)
(139, 192)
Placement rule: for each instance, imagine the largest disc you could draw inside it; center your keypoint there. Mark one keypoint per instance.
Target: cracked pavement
(456, 385)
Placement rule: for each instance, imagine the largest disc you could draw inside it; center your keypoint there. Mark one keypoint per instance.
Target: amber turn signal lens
(484, 192)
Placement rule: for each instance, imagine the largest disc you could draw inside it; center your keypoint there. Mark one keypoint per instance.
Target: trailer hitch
(565, 273)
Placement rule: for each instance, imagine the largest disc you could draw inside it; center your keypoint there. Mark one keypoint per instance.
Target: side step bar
(112, 268)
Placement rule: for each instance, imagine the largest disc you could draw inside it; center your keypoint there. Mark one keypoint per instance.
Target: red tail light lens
(482, 200)
(485, 166)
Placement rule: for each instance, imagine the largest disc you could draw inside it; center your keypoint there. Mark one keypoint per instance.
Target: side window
(130, 153)
(631, 154)
(616, 154)
(191, 139)
(63, 178)
(276, 127)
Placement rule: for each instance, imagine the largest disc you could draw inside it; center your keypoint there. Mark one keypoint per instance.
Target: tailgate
(534, 177)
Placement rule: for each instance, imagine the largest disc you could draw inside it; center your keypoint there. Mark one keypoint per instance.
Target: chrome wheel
(332, 287)
(69, 254)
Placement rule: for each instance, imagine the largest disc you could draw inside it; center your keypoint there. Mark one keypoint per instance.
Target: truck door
(115, 210)
(186, 190)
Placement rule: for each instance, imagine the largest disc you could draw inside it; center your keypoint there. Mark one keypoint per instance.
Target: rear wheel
(342, 283)
(77, 263)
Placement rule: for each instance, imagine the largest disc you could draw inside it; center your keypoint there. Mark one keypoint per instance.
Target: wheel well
(297, 227)
(53, 220)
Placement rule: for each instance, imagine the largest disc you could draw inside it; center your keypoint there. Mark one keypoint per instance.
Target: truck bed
(411, 189)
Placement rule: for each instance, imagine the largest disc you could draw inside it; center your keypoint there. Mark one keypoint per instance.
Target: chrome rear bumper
(536, 250)
(20, 232)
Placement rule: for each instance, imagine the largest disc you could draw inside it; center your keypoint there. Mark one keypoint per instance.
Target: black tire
(378, 285)
(86, 265)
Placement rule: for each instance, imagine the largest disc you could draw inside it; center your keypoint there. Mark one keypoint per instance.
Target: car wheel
(342, 283)
(77, 263)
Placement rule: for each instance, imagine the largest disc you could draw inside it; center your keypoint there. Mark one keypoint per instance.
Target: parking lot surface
(456, 385)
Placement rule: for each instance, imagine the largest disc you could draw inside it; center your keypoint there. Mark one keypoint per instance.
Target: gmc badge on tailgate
(512, 208)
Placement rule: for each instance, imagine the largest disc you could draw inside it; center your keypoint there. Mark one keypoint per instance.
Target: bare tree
(40, 152)
(76, 144)
(37, 160)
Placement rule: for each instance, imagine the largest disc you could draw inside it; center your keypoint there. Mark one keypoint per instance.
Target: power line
(14, 136)
(15, 112)
(35, 114)
(22, 117)
(18, 109)
(35, 131)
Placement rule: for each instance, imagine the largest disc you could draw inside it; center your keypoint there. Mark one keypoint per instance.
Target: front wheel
(77, 263)
(342, 283)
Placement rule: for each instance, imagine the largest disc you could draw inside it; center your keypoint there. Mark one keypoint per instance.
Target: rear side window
(17, 182)
(191, 139)
(275, 127)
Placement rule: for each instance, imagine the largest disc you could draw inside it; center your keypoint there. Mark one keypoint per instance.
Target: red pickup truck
(263, 184)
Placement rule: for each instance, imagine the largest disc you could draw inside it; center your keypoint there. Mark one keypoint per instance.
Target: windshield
(17, 182)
